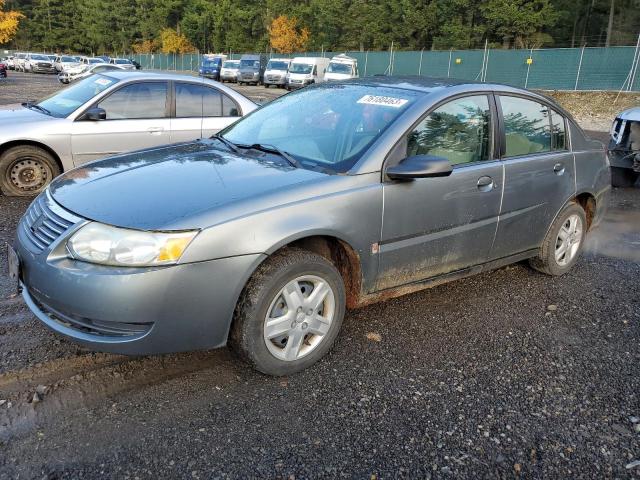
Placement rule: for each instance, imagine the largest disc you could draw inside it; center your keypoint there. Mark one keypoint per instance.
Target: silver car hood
(17, 123)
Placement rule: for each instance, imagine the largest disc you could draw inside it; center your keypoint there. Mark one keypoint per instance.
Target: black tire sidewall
(552, 236)
(253, 343)
(8, 158)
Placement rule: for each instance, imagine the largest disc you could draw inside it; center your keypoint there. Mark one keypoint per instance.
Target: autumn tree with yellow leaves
(175, 42)
(9, 22)
(285, 37)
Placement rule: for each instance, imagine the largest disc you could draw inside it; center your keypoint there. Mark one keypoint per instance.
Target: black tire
(26, 170)
(262, 289)
(623, 177)
(546, 261)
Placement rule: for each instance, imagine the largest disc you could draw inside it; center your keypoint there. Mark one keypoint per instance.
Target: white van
(304, 71)
(276, 72)
(342, 67)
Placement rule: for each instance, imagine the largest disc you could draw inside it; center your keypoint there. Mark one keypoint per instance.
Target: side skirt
(394, 292)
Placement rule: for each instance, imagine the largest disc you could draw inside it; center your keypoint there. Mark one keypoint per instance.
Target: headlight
(103, 244)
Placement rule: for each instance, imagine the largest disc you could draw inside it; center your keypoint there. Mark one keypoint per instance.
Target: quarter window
(527, 126)
(459, 131)
(558, 131)
(137, 101)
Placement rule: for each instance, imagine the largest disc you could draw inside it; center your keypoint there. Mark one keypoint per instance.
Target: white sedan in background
(76, 72)
(108, 113)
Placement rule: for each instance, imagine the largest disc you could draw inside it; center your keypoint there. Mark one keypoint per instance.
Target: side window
(526, 125)
(137, 101)
(558, 131)
(459, 131)
(197, 101)
(229, 107)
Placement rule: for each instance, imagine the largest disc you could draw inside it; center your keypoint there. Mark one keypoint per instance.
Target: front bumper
(37, 69)
(274, 80)
(133, 311)
(300, 84)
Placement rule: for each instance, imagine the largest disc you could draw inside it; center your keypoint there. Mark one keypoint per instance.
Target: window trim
(541, 101)
(117, 89)
(174, 98)
(395, 156)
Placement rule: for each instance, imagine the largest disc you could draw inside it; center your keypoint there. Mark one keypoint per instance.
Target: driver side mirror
(420, 166)
(95, 114)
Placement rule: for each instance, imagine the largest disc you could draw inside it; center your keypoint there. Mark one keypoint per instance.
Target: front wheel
(563, 243)
(26, 170)
(289, 313)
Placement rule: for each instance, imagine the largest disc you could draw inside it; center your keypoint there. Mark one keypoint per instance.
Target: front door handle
(558, 168)
(155, 130)
(485, 183)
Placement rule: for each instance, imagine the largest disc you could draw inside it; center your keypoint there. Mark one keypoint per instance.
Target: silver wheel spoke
(293, 295)
(294, 343)
(319, 325)
(319, 293)
(564, 233)
(278, 327)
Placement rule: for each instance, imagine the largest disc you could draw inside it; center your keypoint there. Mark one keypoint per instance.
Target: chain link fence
(593, 68)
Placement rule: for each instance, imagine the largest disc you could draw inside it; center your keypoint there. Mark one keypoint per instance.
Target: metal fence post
(366, 57)
(579, 68)
(526, 81)
(420, 66)
(449, 67)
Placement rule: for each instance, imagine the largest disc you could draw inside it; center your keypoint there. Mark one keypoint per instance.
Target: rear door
(137, 117)
(433, 226)
(200, 111)
(539, 173)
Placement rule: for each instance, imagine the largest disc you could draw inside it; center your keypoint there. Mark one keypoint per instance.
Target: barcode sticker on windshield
(383, 101)
(102, 81)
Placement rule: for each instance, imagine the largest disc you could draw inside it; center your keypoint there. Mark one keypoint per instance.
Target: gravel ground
(506, 374)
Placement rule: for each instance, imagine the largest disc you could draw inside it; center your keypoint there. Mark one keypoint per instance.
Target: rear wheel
(623, 177)
(563, 243)
(26, 170)
(289, 313)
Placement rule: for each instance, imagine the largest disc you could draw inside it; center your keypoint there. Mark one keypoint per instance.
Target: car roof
(632, 114)
(147, 75)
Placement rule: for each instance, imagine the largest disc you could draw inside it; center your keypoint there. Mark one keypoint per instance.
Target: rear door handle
(485, 183)
(558, 168)
(155, 130)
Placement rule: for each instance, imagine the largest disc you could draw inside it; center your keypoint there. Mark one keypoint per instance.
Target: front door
(539, 173)
(433, 226)
(137, 117)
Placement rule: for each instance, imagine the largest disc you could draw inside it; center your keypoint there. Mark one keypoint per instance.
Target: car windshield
(96, 60)
(300, 68)
(231, 64)
(66, 101)
(211, 63)
(67, 59)
(249, 63)
(123, 61)
(277, 66)
(39, 57)
(340, 68)
(328, 127)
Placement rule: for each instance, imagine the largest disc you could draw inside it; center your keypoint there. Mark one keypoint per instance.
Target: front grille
(273, 78)
(44, 221)
(94, 327)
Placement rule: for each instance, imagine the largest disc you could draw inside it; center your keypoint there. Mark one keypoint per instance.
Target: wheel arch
(33, 143)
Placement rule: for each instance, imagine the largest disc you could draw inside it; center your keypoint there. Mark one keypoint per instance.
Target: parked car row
(48, 63)
(279, 72)
(265, 231)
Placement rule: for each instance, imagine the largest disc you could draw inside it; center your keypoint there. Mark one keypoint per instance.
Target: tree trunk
(610, 26)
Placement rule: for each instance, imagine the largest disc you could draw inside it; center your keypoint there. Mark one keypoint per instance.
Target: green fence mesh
(549, 69)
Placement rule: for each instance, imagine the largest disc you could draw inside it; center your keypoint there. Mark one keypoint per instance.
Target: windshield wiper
(32, 105)
(229, 144)
(266, 147)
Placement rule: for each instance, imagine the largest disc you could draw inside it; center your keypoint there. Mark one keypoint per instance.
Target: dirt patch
(595, 110)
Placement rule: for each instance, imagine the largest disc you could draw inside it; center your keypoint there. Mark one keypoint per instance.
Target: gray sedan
(334, 197)
(106, 114)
